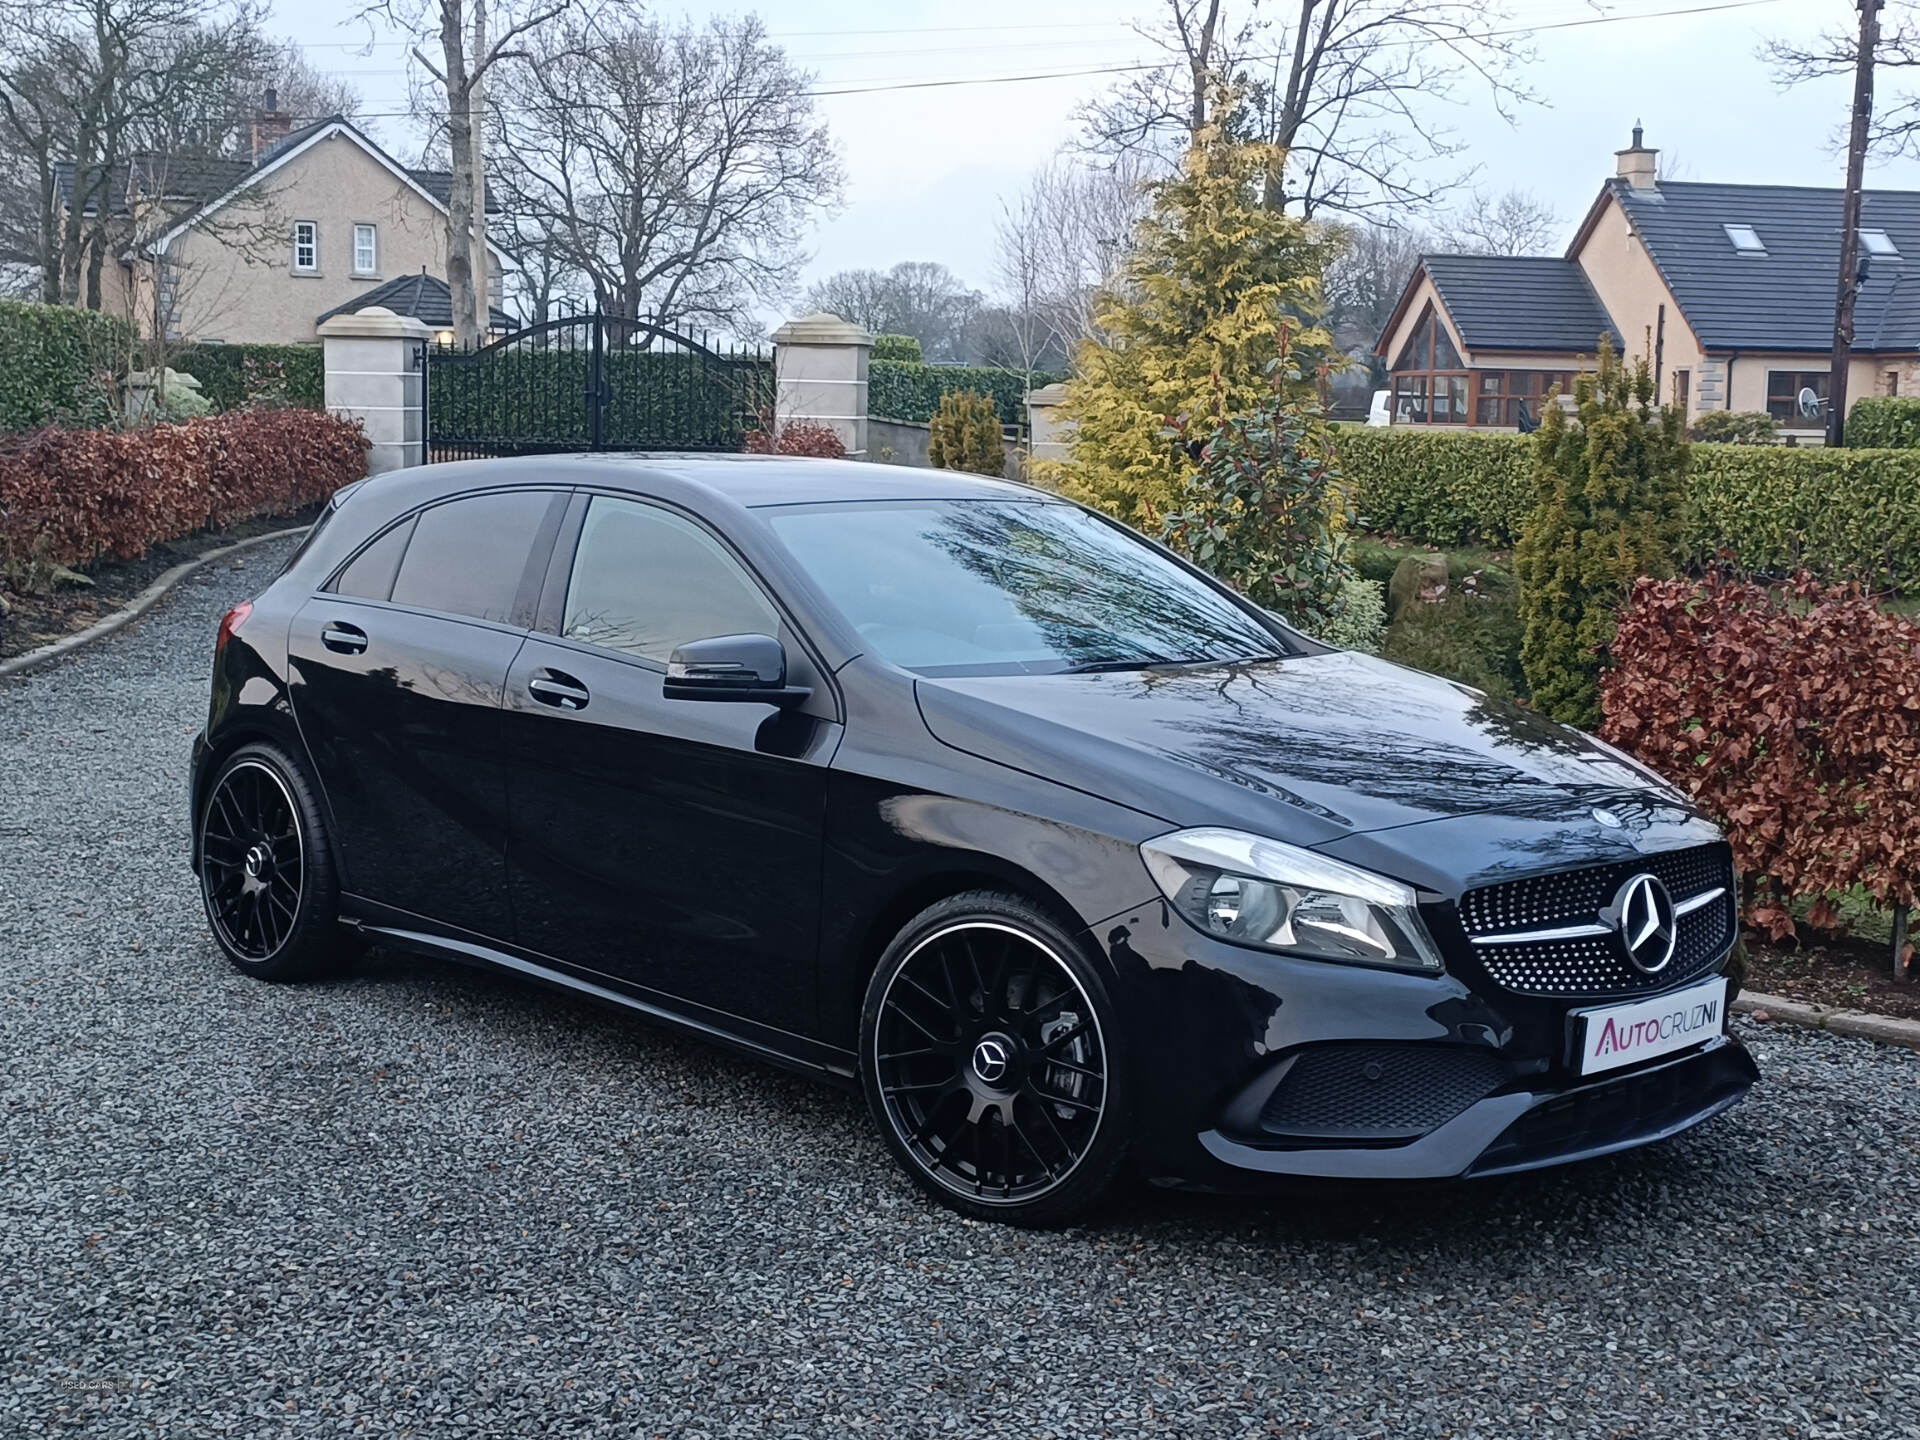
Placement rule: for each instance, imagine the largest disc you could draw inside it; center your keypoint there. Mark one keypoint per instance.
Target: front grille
(1596, 965)
(1379, 1092)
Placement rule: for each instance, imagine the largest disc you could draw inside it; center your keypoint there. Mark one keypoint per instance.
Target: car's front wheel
(991, 1059)
(266, 869)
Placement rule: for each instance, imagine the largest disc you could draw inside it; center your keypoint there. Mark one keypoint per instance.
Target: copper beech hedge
(69, 497)
(1792, 714)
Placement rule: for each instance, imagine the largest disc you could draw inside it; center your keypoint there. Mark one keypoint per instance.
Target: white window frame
(372, 234)
(1877, 242)
(312, 266)
(1745, 239)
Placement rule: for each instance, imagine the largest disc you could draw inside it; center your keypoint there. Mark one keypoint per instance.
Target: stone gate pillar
(820, 377)
(373, 370)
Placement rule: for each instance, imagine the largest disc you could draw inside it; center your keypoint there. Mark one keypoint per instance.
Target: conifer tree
(1610, 486)
(1213, 284)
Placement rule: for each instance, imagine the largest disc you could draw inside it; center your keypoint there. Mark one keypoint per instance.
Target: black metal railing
(594, 382)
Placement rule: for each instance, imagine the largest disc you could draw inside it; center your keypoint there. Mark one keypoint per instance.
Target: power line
(889, 87)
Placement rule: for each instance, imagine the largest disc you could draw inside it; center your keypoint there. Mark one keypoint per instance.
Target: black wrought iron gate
(593, 382)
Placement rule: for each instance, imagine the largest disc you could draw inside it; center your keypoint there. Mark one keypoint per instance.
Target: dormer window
(1878, 242)
(1745, 239)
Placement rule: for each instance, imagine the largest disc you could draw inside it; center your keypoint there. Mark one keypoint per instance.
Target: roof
(425, 297)
(1516, 302)
(1782, 299)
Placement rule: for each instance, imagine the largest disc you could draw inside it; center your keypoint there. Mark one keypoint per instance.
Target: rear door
(398, 670)
(673, 844)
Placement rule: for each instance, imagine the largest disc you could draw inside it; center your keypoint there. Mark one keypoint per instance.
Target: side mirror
(745, 668)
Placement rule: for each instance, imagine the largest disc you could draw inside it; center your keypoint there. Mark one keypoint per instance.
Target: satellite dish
(1809, 403)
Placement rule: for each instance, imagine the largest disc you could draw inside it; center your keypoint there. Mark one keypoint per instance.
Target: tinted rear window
(370, 576)
(467, 556)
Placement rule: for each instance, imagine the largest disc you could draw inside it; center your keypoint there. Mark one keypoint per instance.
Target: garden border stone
(135, 607)
(1884, 1028)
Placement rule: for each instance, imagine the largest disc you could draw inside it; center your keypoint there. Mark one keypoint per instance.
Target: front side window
(466, 557)
(306, 245)
(1430, 380)
(1798, 397)
(366, 250)
(992, 587)
(1516, 398)
(646, 581)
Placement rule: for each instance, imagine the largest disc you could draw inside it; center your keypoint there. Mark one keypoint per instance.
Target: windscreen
(986, 587)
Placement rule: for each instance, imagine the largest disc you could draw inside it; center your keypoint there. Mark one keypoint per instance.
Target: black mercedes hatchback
(1066, 854)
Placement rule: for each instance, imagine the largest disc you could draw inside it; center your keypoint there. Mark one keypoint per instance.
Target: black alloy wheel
(266, 872)
(989, 1061)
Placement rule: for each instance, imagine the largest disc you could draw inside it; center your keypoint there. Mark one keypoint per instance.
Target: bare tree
(1345, 87)
(920, 298)
(474, 39)
(676, 169)
(1895, 128)
(1061, 241)
(1365, 279)
(1515, 223)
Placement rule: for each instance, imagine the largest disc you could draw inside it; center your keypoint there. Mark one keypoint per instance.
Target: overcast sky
(926, 167)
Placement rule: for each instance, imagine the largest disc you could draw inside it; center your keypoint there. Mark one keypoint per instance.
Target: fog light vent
(1379, 1092)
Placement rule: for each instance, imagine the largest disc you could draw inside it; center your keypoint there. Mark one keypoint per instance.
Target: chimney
(271, 125)
(1637, 165)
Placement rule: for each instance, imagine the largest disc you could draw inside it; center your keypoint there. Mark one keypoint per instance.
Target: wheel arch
(253, 725)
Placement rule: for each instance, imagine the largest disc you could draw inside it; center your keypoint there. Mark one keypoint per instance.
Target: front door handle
(558, 689)
(346, 639)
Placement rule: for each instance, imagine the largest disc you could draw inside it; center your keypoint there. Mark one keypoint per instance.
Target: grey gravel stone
(430, 1200)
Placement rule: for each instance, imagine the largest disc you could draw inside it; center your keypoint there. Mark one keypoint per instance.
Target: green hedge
(234, 376)
(1773, 507)
(900, 390)
(1884, 422)
(59, 363)
(897, 347)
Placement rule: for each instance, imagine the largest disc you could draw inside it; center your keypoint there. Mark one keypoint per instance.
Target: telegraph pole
(1850, 220)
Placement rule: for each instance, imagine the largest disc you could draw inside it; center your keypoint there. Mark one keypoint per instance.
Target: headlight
(1261, 892)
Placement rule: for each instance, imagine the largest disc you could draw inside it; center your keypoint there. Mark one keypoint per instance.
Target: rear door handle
(558, 689)
(345, 638)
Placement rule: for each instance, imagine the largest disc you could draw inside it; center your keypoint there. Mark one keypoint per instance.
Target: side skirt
(789, 1051)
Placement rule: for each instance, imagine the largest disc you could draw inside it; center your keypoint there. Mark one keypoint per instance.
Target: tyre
(992, 1061)
(266, 869)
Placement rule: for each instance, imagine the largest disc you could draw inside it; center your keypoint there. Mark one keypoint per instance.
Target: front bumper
(1250, 1067)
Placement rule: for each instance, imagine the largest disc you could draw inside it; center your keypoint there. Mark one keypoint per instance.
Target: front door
(398, 670)
(671, 844)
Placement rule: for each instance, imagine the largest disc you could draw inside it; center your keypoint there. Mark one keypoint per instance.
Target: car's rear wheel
(266, 869)
(991, 1059)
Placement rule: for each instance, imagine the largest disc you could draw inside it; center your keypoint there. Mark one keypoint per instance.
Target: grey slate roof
(1782, 300)
(1520, 302)
(425, 297)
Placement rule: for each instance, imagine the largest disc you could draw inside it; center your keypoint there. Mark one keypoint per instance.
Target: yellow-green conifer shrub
(966, 435)
(1215, 290)
(1610, 487)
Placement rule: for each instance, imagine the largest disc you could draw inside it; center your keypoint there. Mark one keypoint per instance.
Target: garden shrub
(1471, 634)
(1446, 487)
(966, 435)
(897, 347)
(234, 376)
(905, 390)
(799, 437)
(1736, 427)
(1792, 715)
(68, 497)
(1611, 487)
(1884, 422)
(1361, 621)
(1265, 509)
(59, 364)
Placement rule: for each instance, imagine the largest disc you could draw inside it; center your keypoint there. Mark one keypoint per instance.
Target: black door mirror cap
(745, 669)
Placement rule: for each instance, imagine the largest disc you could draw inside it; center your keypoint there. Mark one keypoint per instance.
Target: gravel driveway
(428, 1199)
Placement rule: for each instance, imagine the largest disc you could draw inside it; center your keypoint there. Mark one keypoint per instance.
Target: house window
(1683, 391)
(1745, 239)
(1890, 383)
(1430, 380)
(366, 250)
(1792, 394)
(1503, 397)
(306, 245)
(1878, 242)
